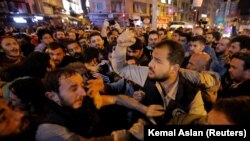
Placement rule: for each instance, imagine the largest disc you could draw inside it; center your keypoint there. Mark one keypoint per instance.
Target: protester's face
(197, 32)
(175, 37)
(72, 36)
(11, 122)
(153, 39)
(161, 35)
(196, 47)
(209, 38)
(10, 47)
(74, 50)
(218, 118)
(159, 66)
(236, 70)
(234, 48)
(60, 35)
(56, 55)
(83, 42)
(47, 39)
(71, 91)
(222, 45)
(97, 42)
(182, 40)
(192, 64)
(135, 54)
(112, 39)
(195, 64)
(92, 66)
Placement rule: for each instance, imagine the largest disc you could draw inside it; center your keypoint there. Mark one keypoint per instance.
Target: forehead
(183, 38)
(132, 50)
(58, 50)
(69, 80)
(96, 37)
(60, 32)
(195, 42)
(176, 34)
(8, 40)
(235, 44)
(73, 45)
(224, 41)
(236, 62)
(160, 53)
(46, 35)
(153, 36)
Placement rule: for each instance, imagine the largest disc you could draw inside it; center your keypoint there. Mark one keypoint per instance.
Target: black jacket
(185, 95)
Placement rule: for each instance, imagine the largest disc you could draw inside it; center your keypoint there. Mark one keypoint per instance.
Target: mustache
(150, 68)
(78, 54)
(130, 58)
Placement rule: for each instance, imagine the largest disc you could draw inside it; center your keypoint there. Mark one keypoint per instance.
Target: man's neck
(168, 84)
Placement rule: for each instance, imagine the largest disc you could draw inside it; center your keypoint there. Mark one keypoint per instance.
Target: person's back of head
(31, 92)
(233, 111)
(37, 64)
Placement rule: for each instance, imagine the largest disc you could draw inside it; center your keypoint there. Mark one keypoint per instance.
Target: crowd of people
(70, 84)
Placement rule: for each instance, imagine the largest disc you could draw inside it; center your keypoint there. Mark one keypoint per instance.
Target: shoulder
(52, 132)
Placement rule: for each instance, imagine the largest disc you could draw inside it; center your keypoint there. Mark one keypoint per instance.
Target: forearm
(130, 103)
(204, 80)
(119, 58)
(104, 32)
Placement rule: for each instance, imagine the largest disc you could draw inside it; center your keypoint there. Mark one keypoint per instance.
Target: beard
(159, 78)
(77, 55)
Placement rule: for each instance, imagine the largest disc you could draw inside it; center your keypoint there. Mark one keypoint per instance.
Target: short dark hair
(176, 52)
(56, 45)
(42, 32)
(199, 38)
(68, 42)
(245, 57)
(137, 45)
(153, 32)
(89, 54)
(36, 64)
(188, 36)
(178, 32)
(94, 34)
(162, 29)
(52, 78)
(30, 91)
(243, 40)
(217, 35)
(236, 109)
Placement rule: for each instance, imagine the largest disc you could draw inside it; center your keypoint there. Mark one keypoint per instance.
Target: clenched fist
(126, 39)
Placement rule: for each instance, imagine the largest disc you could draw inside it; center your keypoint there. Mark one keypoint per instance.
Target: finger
(155, 114)
(141, 121)
(156, 107)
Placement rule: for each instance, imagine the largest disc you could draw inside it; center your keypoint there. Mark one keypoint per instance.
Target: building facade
(129, 9)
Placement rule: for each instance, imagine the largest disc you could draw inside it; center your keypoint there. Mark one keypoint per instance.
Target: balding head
(198, 31)
(199, 62)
